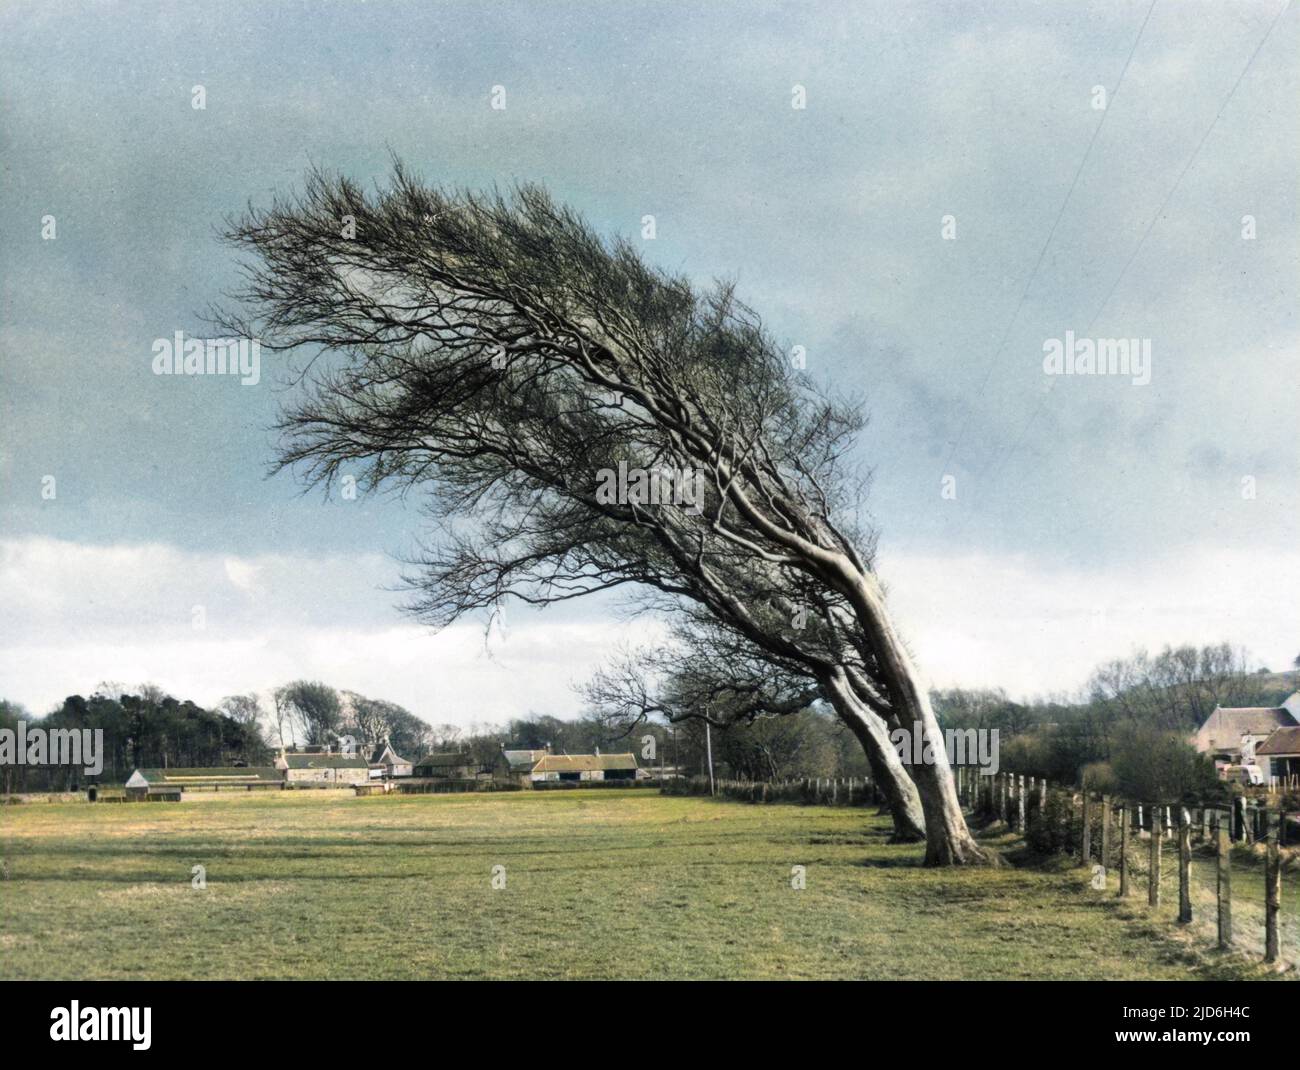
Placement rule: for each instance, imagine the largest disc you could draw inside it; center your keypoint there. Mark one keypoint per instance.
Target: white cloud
(79, 614)
(982, 620)
(243, 575)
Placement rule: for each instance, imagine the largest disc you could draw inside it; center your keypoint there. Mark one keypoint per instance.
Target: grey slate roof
(523, 760)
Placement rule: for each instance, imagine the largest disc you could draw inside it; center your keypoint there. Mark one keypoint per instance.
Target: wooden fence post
(1153, 873)
(1069, 828)
(1105, 838)
(1272, 887)
(1085, 848)
(1184, 865)
(1223, 820)
(1124, 816)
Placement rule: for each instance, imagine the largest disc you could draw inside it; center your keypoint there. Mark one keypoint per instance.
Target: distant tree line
(1128, 732)
(146, 728)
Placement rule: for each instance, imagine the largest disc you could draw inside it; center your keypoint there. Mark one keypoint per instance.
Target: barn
(453, 765)
(169, 783)
(576, 768)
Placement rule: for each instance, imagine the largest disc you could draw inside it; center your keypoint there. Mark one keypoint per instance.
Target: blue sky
(1087, 519)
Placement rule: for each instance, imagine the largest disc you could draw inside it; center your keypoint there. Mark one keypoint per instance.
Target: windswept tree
(243, 709)
(372, 718)
(376, 721)
(580, 421)
(313, 707)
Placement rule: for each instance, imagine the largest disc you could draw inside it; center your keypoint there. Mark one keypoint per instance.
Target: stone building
(386, 762)
(1233, 735)
(322, 768)
(579, 767)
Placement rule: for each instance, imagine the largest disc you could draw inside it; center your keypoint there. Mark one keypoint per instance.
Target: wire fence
(1222, 863)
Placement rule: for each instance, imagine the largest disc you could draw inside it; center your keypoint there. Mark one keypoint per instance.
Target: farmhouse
(322, 768)
(522, 761)
(456, 765)
(169, 783)
(517, 765)
(385, 762)
(579, 767)
(1233, 735)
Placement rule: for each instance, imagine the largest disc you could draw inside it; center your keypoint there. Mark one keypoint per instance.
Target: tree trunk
(948, 841)
(889, 772)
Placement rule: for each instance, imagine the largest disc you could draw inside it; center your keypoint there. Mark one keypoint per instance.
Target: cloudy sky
(1084, 515)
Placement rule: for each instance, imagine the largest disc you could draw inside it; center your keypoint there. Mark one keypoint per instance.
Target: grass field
(597, 884)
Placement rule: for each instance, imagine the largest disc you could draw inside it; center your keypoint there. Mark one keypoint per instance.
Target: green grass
(598, 884)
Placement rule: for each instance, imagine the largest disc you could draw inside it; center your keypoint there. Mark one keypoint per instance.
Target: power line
(1042, 401)
(1006, 334)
